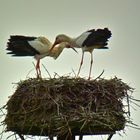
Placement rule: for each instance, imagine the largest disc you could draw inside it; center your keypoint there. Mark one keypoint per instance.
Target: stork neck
(69, 40)
(72, 41)
(57, 51)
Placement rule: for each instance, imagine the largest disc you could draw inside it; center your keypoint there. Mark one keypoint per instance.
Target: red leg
(38, 68)
(81, 63)
(91, 62)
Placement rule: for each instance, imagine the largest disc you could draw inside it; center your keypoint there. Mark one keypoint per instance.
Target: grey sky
(51, 17)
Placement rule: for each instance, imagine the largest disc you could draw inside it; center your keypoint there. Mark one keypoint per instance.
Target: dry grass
(66, 105)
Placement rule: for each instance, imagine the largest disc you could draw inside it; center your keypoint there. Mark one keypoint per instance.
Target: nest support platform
(65, 107)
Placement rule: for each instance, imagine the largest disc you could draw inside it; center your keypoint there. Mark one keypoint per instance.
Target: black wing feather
(18, 46)
(97, 37)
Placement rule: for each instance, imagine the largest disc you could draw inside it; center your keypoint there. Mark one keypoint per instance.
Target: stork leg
(38, 71)
(91, 62)
(81, 63)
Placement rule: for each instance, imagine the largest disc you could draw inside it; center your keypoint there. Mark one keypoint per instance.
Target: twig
(134, 103)
(10, 136)
(128, 105)
(133, 127)
(58, 111)
(134, 99)
(46, 70)
(33, 64)
(21, 137)
(56, 74)
(85, 122)
(1, 134)
(99, 75)
(1, 109)
(69, 129)
(29, 72)
(74, 72)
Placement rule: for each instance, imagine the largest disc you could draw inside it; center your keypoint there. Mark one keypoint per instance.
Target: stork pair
(39, 47)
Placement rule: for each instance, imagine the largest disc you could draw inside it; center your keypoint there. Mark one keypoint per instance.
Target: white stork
(88, 41)
(34, 46)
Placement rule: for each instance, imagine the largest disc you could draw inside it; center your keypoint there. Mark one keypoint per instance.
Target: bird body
(96, 39)
(87, 41)
(34, 46)
(28, 46)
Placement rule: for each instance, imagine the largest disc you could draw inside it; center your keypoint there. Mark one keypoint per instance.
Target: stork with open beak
(39, 47)
(88, 41)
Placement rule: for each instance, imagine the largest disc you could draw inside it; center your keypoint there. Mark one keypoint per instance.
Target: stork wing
(18, 46)
(97, 37)
(41, 44)
(80, 39)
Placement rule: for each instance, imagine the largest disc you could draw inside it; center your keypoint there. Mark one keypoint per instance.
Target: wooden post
(81, 137)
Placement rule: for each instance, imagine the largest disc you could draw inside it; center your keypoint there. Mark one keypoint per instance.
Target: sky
(72, 17)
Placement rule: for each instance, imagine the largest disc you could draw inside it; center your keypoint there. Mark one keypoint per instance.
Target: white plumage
(80, 39)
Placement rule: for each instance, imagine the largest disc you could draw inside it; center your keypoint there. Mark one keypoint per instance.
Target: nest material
(58, 106)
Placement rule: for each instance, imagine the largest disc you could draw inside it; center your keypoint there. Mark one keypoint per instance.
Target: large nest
(58, 106)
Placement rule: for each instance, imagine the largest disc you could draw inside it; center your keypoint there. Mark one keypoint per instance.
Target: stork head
(59, 48)
(59, 39)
